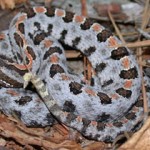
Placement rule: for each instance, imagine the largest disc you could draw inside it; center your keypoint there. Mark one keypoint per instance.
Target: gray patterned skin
(101, 111)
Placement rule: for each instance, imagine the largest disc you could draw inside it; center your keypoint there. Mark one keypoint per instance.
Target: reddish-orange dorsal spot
(96, 27)
(54, 59)
(60, 13)
(79, 119)
(125, 63)
(79, 19)
(112, 41)
(47, 43)
(64, 77)
(114, 96)
(128, 84)
(12, 93)
(2, 36)
(93, 123)
(109, 125)
(21, 19)
(40, 10)
(90, 92)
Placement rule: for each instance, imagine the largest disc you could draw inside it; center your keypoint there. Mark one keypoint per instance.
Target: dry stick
(145, 34)
(133, 45)
(116, 28)
(134, 32)
(146, 15)
(84, 13)
(72, 54)
(87, 65)
(145, 19)
(83, 8)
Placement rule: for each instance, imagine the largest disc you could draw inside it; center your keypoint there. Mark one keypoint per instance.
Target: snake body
(100, 111)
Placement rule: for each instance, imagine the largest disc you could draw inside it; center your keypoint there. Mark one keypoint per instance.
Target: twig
(145, 19)
(83, 8)
(87, 64)
(146, 15)
(133, 45)
(145, 34)
(72, 54)
(134, 33)
(116, 28)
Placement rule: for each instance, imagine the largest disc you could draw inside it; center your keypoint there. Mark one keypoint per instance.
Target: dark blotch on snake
(23, 100)
(30, 12)
(75, 88)
(147, 88)
(102, 118)
(118, 124)
(18, 39)
(50, 12)
(63, 35)
(21, 28)
(104, 35)
(104, 98)
(68, 17)
(106, 83)
(68, 106)
(49, 29)
(139, 103)
(37, 24)
(17, 113)
(129, 74)
(100, 67)
(123, 92)
(39, 37)
(131, 116)
(86, 123)
(51, 51)
(87, 24)
(49, 118)
(34, 123)
(100, 126)
(119, 53)
(89, 51)
(55, 68)
(31, 52)
(70, 117)
(6, 81)
(92, 82)
(108, 139)
(76, 41)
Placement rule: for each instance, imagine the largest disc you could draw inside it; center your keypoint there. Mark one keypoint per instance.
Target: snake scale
(100, 111)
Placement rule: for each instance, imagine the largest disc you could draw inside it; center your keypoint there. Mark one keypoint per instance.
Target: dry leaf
(140, 140)
(10, 4)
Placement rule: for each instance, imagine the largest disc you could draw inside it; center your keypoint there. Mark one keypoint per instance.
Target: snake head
(27, 78)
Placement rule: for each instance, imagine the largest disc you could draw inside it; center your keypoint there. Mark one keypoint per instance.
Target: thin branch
(116, 28)
(133, 45)
(145, 34)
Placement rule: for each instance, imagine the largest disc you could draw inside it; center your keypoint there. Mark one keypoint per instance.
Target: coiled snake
(100, 111)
